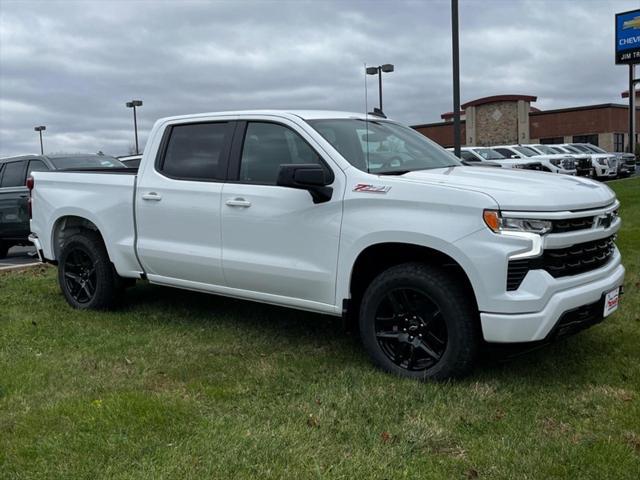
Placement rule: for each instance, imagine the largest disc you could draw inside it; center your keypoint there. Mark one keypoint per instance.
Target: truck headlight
(497, 223)
(602, 161)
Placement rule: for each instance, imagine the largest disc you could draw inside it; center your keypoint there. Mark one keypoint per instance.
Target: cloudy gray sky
(72, 65)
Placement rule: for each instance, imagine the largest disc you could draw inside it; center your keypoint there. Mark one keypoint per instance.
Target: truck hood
(520, 190)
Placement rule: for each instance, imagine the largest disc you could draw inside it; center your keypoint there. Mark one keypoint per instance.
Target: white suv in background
(488, 155)
(605, 165)
(556, 163)
(582, 160)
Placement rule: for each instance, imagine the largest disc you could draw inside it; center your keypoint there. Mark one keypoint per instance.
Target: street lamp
(39, 130)
(386, 68)
(133, 104)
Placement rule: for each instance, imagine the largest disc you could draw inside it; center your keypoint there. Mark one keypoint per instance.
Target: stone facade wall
(496, 123)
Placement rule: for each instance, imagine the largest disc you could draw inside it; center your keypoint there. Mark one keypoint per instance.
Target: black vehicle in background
(14, 195)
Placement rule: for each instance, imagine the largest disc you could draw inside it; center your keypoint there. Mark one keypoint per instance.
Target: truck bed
(103, 196)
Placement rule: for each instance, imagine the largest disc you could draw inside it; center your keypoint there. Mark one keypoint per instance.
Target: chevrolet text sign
(628, 37)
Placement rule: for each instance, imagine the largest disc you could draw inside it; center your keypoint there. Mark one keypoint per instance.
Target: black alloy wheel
(410, 329)
(79, 273)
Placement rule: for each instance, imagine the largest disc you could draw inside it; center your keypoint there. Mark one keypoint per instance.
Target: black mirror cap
(306, 176)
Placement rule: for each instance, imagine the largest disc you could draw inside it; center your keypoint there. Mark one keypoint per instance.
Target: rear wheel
(85, 273)
(417, 322)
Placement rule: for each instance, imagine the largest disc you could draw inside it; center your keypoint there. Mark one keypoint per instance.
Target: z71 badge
(367, 188)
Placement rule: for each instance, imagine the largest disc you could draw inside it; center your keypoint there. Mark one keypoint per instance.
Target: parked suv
(551, 163)
(605, 165)
(582, 160)
(486, 155)
(429, 256)
(626, 161)
(14, 208)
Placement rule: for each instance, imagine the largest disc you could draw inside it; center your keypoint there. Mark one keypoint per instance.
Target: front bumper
(535, 326)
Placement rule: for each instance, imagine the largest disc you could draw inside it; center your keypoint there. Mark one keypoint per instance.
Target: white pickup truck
(342, 214)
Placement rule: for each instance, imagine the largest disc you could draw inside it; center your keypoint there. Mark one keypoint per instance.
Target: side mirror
(306, 176)
(515, 156)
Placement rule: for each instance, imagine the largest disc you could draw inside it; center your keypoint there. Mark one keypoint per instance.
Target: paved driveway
(19, 256)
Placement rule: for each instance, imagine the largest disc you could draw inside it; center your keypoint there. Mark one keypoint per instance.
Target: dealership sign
(628, 37)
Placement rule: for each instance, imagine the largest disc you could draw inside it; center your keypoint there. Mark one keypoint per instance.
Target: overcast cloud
(72, 65)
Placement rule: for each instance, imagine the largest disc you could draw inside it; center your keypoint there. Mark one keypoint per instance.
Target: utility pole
(456, 77)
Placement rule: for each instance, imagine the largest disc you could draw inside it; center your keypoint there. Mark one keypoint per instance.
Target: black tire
(441, 319)
(86, 275)
(4, 249)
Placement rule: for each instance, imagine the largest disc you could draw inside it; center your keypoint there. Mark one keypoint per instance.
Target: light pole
(456, 77)
(386, 68)
(133, 104)
(39, 130)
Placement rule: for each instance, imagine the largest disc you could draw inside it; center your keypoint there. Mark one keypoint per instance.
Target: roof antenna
(366, 116)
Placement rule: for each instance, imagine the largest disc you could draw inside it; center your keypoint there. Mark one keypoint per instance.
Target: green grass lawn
(186, 385)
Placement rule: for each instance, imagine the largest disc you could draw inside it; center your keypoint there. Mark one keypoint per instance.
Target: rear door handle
(152, 196)
(238, 202)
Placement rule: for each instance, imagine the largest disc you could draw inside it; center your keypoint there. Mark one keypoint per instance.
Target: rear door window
(13, 174)
(197, 151)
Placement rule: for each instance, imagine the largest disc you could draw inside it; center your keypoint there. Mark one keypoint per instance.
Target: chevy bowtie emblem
(368, 188)
(605, 220)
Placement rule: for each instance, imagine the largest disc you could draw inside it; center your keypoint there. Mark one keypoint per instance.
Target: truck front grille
(571, 225)
(562, 262)
(584, 164)
(568, 164)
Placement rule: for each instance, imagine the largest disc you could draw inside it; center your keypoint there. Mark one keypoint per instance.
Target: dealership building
(511, 119)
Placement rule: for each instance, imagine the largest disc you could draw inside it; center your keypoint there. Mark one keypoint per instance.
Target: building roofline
(435, 124)
(585, 107)
(498, 98)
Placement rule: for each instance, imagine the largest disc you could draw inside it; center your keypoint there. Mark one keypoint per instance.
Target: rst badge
(368, 188)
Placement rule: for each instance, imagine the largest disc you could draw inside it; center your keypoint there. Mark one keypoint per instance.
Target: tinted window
(504, 151)
(196, 151)
(266, 147)
(14, 175)
(36, 166)
(593, 139)
(470, 157)
(489, 154)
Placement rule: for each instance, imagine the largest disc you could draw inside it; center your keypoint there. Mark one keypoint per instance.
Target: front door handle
(238, 202)
(152, 196)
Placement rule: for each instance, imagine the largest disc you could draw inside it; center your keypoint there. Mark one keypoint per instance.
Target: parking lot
(19, 257)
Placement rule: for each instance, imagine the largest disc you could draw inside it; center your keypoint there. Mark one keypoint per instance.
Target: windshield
(546, 150)
(579, 148)
(489, 154)
(383, 147)
(595, 149)
(88, 161)
(558, 150)
(526, 151)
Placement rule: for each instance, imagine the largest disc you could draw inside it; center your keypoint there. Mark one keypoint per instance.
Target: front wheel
(85, 273)
(416, 321)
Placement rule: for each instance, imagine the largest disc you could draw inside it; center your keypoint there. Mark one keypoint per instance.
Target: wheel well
(377, 258)
(67, 226)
